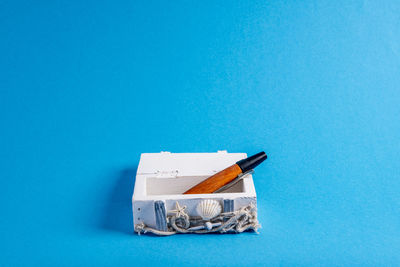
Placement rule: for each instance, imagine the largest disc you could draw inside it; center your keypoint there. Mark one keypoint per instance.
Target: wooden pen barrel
(218, 180)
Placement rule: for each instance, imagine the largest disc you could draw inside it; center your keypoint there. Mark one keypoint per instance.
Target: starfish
(179, 211)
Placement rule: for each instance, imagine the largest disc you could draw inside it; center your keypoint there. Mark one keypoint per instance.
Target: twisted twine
(237, 221)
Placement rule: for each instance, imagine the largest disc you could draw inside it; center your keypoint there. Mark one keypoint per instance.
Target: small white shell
(208, 209)
(208, 226)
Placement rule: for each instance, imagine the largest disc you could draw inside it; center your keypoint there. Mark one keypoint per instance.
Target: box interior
(178, 185)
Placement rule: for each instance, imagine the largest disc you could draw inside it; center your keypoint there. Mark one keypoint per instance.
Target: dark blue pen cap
(251, 162)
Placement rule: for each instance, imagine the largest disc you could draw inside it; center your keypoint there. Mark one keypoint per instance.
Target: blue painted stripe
(161, 219)
(228, 205)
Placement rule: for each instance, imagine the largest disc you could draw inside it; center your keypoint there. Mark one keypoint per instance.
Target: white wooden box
(160, 207)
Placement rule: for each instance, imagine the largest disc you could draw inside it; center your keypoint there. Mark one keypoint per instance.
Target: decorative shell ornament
(208, 209)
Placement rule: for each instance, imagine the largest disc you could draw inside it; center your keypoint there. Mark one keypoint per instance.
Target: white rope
(238, 221)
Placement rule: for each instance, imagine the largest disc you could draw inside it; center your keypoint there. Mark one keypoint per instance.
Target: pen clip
(234, 181)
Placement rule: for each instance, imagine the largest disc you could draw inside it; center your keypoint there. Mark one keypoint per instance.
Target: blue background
(85, 87)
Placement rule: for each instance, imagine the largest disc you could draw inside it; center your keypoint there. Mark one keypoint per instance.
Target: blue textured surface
(229, 205)
(86, 86)
(160, 213)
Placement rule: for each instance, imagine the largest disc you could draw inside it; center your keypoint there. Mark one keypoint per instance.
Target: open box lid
(166, 164)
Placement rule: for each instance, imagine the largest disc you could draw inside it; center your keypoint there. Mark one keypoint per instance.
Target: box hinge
(167, 174)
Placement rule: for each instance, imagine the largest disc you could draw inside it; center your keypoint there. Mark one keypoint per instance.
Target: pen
(220, 179)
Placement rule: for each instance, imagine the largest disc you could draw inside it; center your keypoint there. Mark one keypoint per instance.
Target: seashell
(208, 209)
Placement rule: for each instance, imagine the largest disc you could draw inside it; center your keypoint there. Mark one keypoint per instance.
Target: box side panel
(227, 204)
(244, 201)
(144, 212)
(140, 191)
(189, 204)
